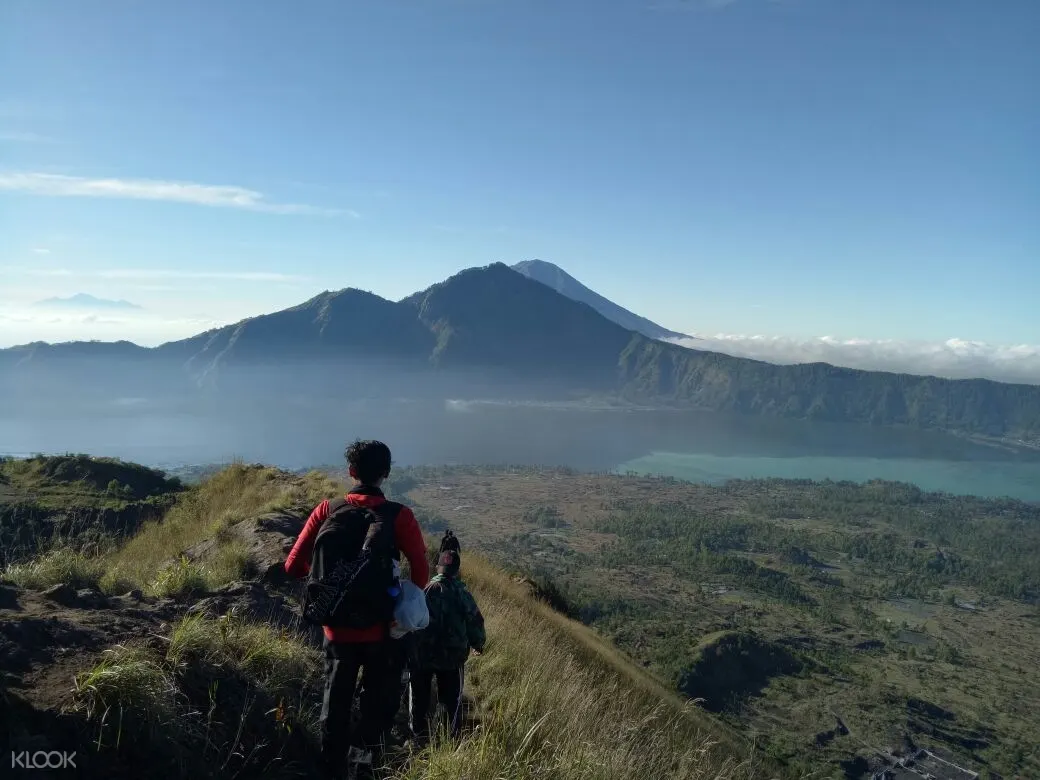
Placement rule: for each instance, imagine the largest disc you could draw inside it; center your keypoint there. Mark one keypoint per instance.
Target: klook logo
(43, 759)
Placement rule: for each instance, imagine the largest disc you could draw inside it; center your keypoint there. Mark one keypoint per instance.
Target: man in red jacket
(371, 650)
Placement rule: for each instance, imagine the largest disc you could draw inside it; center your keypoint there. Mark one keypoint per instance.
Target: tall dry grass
(151, 559)
(226, 698)
(555, 701)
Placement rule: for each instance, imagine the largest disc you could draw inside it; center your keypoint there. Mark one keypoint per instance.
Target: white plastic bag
(410, 612)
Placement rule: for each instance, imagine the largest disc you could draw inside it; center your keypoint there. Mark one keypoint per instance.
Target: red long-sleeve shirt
(409, 541)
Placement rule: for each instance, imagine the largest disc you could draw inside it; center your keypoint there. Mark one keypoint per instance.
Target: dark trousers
(449, 694)
(380, 664)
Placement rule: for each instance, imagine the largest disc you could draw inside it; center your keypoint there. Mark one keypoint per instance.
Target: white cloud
(221, 196)
(39, 250)
(23, 325)
(955, 358)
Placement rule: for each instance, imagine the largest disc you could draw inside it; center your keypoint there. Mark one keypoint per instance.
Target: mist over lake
(700, 446)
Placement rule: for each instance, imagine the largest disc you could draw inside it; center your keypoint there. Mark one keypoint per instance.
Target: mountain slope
(330, 326)
(820, 391)
(492, 317)
(556, 278)
(492, 330)
(214, 675)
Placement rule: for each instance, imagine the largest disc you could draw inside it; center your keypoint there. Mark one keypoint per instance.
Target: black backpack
(351, 582)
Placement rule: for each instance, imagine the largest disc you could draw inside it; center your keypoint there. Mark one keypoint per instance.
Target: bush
(545, 516)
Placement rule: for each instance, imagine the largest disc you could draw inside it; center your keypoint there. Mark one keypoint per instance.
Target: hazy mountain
(333, 325)
(84, 301)
(496, 318)
(492, 331)
(555, 277)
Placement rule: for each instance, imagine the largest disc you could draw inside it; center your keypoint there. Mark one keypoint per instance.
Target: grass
(272, 659)
(226, 698)
(176, 580)
(557, 702)
(54, 479)
(152, 559)
(61, 565)
(553, 701)
(127, 685)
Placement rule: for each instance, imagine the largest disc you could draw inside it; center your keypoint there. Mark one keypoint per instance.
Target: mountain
(494, 331)
(495, 318)
(819, 391)
(555, 277)
(207, 587)
(84, 301)
(328, 326)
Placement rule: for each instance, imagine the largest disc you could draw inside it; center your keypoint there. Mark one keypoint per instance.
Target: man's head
(368, 462)
(448, 563)
(449, 541)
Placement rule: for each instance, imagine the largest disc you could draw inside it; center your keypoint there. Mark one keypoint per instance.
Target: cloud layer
(221, 196)
(24, 325)
(954, 358)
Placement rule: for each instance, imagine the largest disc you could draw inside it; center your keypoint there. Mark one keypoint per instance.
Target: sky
(771, 175)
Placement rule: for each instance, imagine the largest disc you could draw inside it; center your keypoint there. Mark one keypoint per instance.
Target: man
(456, 627)
(371, 650)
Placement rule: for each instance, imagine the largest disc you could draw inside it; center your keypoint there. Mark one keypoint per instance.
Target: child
(442, 648)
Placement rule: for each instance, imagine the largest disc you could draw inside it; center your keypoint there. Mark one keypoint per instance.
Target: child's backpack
(449, 542)
(444, 643)
(352, 583)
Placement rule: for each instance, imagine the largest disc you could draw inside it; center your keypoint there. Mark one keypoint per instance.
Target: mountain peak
(556, 278)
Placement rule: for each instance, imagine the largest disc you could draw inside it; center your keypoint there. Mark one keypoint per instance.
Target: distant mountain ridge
(85, 301)
(555, 277)
(495, 326)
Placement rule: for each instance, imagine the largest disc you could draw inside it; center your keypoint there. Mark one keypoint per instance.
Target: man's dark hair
(449, 563)
(370, 460)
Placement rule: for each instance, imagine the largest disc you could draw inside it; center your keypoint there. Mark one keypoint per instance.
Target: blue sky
(789, 168)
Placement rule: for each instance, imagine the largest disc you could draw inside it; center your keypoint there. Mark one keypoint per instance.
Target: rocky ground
(48, 637)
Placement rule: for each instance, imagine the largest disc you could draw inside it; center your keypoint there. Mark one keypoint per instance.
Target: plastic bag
(410, 612)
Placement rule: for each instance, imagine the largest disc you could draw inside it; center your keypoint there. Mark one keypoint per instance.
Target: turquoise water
(980, 478)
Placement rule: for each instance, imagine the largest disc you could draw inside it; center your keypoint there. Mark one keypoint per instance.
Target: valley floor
(837, 624)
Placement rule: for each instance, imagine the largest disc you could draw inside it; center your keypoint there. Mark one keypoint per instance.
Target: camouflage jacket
(456, 625)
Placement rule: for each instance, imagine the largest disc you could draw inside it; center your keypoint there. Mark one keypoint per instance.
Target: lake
(702, 446)
(981, 478)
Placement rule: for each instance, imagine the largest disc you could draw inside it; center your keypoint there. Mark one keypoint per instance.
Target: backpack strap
(336, 505)
(387, 516)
